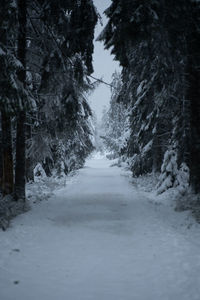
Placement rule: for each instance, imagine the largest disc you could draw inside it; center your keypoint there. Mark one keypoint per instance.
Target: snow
(147, 147)
(141, 87)
(100, 238)
(2, 52)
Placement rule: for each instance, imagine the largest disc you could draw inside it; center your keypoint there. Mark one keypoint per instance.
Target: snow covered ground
(100, 238)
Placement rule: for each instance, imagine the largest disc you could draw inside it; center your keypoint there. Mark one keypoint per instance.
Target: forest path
(99, 239)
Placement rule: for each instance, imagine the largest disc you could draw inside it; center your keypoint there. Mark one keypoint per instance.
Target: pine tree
(157, 44)
(8, 90)
(20, 169)
(115, 122)
(45, 62)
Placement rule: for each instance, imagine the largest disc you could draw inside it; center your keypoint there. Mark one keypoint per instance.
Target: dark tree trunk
(29, 170)
(47, 166)
(186, 134)
(1, 158)
(7, 158)
(20, 170)
(194, 96)
(156, 154)
(29, 161)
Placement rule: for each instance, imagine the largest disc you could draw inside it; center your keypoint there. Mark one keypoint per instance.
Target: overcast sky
(104, 65)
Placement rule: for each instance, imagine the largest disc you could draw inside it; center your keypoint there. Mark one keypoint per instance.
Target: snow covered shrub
(169, 172)
(39, 172)
(171, 176)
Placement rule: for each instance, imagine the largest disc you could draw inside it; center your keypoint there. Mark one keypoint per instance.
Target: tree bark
(30, 164)
(194, 96)
(7, 157)
(20, 169)
(1, 157)
(29, 170)
(156, 154)
(47, 164)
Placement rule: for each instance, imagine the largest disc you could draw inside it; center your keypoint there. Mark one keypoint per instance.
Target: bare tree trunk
(194, 96)
(156, 154)
(47, 166)
(29, 160)
(7, 158)
(29, 170)
(20, 170)
(1, 157)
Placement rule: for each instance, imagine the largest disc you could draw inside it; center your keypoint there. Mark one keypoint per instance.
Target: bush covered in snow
(171, 175)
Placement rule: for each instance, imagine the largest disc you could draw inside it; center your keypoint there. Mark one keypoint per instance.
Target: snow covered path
(100, 239)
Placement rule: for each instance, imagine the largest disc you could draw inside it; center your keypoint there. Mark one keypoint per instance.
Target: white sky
(104, 66)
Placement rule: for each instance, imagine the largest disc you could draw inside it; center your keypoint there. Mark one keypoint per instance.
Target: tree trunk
(20, 170)
(1, 158)
(7, 158)
(29, 169)
(194, 96)
(47, 164)
(29, 161)
(156, 154)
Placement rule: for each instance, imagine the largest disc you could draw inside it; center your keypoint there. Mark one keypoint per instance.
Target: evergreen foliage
(115, 121)
(45, 57)
(157, 44)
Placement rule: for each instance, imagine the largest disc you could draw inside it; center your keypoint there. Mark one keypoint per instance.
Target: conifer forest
(99, 205)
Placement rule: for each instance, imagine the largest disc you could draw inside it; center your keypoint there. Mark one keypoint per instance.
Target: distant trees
(157, 44)
(45, 57)
(115, 121)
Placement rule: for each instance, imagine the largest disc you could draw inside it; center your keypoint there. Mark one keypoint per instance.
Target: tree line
(46, 58)
(157, 43)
